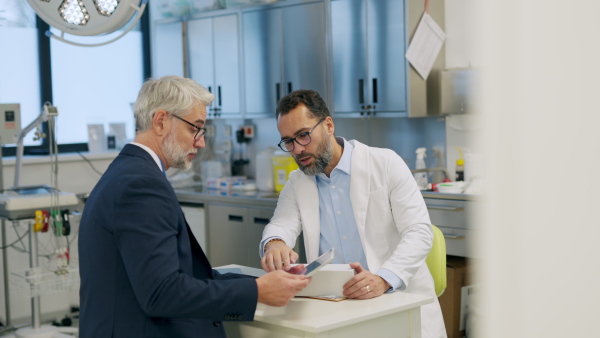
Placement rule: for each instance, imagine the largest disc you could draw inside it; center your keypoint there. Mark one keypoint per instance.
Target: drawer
(449, 213)
(458, 241)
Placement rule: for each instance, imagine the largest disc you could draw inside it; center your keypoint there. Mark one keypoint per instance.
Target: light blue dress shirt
(338, 225)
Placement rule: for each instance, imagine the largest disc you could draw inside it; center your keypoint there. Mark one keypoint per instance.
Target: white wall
(74, 173)
(539, 225)
(462, 25)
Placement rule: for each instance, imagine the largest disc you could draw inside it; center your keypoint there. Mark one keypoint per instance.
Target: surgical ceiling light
(88, 17)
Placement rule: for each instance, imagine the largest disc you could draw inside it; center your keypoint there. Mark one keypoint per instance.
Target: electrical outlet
(248, 131)
(210, 130)
(227, 130)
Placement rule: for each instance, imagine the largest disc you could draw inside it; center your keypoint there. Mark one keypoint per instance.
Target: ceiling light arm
(43, 117)
(140, 11)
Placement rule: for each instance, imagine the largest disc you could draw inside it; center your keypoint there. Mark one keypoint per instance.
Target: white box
(96, 138)
(10, 122)
(329, 281)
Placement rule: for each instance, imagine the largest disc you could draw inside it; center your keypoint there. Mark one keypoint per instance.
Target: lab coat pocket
(379, 225)
(379, 211)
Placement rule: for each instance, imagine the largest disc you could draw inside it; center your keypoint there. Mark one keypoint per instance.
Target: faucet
(431, 170)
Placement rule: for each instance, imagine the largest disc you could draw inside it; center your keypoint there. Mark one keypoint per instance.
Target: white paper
(96, 138)
(118, 129)
(425, 45)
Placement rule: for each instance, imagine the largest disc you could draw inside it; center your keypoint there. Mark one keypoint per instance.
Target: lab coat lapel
(308, 203)
(359, 186)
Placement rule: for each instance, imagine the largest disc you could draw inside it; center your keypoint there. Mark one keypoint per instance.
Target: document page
(425, 45)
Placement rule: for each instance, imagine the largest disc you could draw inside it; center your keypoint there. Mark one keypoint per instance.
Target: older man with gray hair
(143, 274)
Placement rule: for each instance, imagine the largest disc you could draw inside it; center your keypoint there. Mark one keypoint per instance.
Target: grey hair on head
(174, 94)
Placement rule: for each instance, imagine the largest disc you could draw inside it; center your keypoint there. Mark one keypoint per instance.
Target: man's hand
(278, 287)
(364, 284)
(278, 256)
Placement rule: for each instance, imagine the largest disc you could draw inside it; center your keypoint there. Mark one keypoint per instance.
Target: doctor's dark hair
(176, 95)
(310, 98)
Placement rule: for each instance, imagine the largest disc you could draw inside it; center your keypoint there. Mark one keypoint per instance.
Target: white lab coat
(390, 214)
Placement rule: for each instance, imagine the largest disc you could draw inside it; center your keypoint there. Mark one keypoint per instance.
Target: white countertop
(313, 315)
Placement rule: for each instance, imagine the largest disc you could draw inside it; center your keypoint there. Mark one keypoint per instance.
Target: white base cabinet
(195, 217)
(235, 232)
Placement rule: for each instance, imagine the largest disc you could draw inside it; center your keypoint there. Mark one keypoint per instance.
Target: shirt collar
(345, 161)
(152, 153)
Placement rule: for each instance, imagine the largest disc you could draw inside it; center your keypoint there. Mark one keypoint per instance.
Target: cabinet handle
(374, 90)
(259, 220)
(454, 236)
(278, 92)
(219, 93)
(209, 89)
(361, 91)
(235, 218)
(289, 87)
(439, 207)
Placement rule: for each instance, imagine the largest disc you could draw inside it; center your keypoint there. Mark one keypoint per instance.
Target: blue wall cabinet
(214, 48)
(284, 50)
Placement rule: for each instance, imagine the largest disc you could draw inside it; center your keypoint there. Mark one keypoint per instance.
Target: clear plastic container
(264, 169)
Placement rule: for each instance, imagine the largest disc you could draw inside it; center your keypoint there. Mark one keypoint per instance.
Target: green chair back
(436, 261)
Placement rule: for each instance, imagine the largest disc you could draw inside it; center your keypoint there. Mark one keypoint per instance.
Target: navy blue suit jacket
(143, 274)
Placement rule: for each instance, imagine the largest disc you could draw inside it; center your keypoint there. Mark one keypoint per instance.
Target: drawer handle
(235, 218)
(258, 220)
(453, 236)
(439, 207)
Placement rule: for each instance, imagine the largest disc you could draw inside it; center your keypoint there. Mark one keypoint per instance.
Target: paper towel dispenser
(456, 91)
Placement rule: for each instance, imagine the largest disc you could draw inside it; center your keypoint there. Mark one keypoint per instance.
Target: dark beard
(325, 153)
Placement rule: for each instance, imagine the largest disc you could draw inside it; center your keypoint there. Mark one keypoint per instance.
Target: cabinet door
(257, 220)
(304, 48)
(194, 215)
(386, 62)
(263, 53)
(201, 56)
(227, 235)
(349, 50)
(226, 64)
(168, 49)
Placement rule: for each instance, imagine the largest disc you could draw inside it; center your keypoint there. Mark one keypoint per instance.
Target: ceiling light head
(74, 12)
(106, 7)
(86, 17)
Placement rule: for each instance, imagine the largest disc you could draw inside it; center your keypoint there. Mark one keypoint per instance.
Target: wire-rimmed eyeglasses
(302, 139)
(199, 131)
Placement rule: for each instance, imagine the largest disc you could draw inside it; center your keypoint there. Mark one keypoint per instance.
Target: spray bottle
(421, 177)
(460, 166)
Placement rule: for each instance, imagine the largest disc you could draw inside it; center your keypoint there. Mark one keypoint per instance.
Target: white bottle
(421, 177)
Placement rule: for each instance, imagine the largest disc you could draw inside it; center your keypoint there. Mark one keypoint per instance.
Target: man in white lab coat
(361, 200)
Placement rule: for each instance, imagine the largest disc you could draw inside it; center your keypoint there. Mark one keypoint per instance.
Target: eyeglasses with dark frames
(199, 131)
(302, 139)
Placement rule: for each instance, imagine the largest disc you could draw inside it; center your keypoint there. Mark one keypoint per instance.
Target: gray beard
(175, 156)
(325, 153)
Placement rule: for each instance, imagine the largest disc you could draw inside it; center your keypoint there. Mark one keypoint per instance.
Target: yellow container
(283, 165)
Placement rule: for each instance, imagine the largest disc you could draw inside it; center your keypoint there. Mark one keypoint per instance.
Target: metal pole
(4, 255)
(5, 270)
(33, 263)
